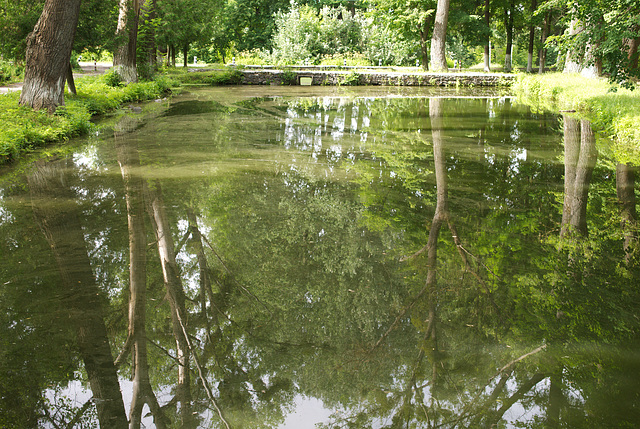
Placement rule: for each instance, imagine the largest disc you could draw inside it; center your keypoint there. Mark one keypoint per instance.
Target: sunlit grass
(613, 110)
(24, 129)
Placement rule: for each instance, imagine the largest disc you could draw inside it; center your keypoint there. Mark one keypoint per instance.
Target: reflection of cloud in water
(308, 412)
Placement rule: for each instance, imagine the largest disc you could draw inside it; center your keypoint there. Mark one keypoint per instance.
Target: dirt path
(88, 69)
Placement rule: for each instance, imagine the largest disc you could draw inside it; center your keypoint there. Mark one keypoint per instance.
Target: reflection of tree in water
(278, 284)
(61, 226)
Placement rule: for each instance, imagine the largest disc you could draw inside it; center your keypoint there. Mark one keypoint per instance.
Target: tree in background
(183, 22)
(413, 20)
(252, 22)
(304, 33)
(603, 34)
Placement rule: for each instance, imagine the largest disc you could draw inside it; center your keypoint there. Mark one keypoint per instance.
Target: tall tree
(48, 54)
(413, 19)
(487, 45)
(124, 57)
(532, 37)
(508, 23)
(439, 38)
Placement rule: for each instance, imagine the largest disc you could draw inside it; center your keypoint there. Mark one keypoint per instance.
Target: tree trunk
(175, 295)
(439, 38)
(147, 30)
(61, 226)
(124, 57)
(579, 164)
(625, 184)
(487, 46)
(633, 53)
(509, 27)
(424, 47)
(572, 63)
(48, 55)
(70, 82)
(185, 51)
(532, 38)
(543, 39)
(129, 160)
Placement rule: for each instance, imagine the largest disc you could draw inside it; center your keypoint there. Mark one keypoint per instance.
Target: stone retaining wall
(277, 77)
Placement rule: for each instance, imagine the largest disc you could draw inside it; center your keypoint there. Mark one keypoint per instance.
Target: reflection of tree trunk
(625, 184)
(495, 417)
(556, 398)
(142, 391)
(57, 215)
(205, 275)
(175, 295)
(580, 160)
(442, 207)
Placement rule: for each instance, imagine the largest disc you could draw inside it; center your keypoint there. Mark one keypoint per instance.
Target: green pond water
(322, 258)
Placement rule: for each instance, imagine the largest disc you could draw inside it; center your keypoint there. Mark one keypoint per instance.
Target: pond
(322, 258)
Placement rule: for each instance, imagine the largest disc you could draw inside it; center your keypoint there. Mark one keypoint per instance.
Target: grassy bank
(614, 111)
(24, 129)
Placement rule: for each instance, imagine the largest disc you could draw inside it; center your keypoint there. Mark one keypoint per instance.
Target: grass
(25, 129)
(614, 111)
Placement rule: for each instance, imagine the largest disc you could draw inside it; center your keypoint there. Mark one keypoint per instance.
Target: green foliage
(289, 77)
(606, 28)
(10, 72)
(353, 78)
(113, 79)
(230, 76)
(302, 34)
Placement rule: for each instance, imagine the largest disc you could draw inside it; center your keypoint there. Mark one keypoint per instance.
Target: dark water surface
(323, 257)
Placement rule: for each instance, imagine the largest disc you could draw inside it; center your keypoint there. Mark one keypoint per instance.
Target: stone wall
(277, 77)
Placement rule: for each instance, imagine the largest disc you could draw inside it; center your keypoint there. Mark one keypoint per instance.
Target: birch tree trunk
(439, 38)
(48, 54)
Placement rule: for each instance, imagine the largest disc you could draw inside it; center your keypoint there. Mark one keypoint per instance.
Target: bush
(113, 79)
(10, 72)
